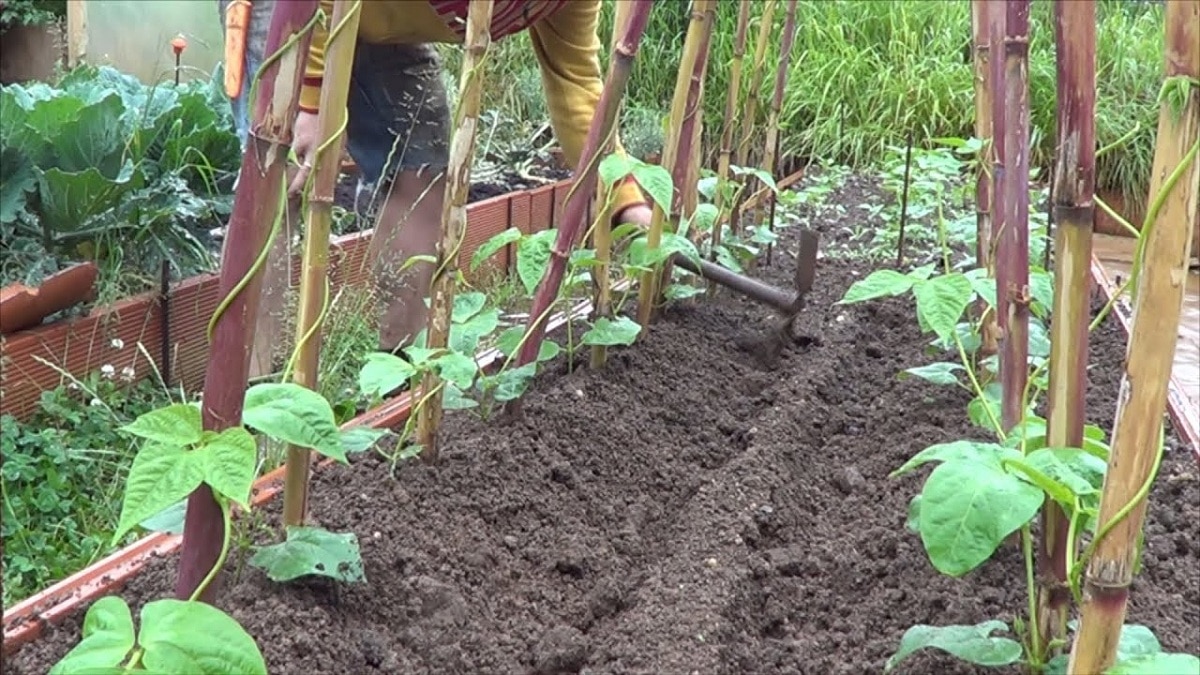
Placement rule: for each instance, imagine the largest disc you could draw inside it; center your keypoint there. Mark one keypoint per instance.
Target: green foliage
(176, 638)
(31, 12)
(61, 474)
(981, 493)
(295, 415)
(973, 644)
(176, 456)
(105, 168)
(312, 551)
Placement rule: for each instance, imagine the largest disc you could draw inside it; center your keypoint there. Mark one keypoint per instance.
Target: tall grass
(866, 72)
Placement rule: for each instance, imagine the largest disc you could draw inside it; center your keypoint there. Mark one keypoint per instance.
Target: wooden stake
(1150, 355)
(77, 41)
(314, 275)
(987, 21)
(454, 216)
(602, 236)
(256, 205)
(727, 131)
(757, 72)
(1012, 254)
(583, 187)
(1074, 208)
(771, 148)
(684, 109)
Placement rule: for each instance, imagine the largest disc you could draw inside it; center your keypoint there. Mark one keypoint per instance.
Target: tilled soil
(683, 511)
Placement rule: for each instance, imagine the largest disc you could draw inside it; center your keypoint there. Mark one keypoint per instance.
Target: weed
(62, 473)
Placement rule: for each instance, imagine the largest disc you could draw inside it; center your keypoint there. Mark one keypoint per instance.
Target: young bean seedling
(176, 456)
(980, 493)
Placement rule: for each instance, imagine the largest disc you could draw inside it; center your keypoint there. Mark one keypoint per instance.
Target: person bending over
(398, 130)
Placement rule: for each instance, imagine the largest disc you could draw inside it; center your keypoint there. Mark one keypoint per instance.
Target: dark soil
(683, 511)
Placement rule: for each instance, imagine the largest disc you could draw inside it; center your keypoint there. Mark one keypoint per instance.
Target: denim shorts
(399, 119)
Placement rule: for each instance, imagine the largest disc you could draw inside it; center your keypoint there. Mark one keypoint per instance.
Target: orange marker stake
(237, 25)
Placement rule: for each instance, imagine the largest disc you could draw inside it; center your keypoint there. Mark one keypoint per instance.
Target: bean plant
(981, 493)
(475, 323)
(176, 456)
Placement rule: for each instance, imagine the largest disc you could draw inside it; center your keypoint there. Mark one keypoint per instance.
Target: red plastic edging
(79, 345)
(1184, 417)
(24, 622)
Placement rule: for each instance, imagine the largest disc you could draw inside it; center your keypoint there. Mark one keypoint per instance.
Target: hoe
(787, 303)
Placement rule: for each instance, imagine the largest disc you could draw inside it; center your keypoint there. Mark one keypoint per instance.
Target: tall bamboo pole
(677, 150)
(687, 185)
(757, 71)
(1149, 357)
(1012, 254)
(987, 22)
(771, 148)
(583, 188)
(729, 127)
(602, 235)
(314, 278)
(454, 215)
(256, 206)
(1074, 208)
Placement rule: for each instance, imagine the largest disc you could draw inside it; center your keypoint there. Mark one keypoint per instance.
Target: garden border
(1184, 418)
(25, 621)
(83, 344)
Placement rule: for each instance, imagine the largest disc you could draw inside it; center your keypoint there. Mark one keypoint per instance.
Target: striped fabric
(508, 16)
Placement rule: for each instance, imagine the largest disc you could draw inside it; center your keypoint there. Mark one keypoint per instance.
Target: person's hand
(635, 214)
(304, 144)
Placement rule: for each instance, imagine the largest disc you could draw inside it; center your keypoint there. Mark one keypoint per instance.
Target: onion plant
(685, 109)
(1075, 184)
(454, 217)
(1164, 246)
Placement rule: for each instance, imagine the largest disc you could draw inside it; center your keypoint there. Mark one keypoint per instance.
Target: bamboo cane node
(1078, 213)
(321, 199)
(1114, 579)
(1019, 295)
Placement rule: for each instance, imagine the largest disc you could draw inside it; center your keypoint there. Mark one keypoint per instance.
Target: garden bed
(109, 335)
(685, 510)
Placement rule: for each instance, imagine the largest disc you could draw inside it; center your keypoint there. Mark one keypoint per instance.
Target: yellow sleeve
(314, 67)
(568, 51)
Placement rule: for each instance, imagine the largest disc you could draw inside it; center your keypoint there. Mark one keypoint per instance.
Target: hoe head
(768, 348)
(806, 270)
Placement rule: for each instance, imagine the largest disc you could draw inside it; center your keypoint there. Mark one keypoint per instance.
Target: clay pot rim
(1183, 418)
(58, 291)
